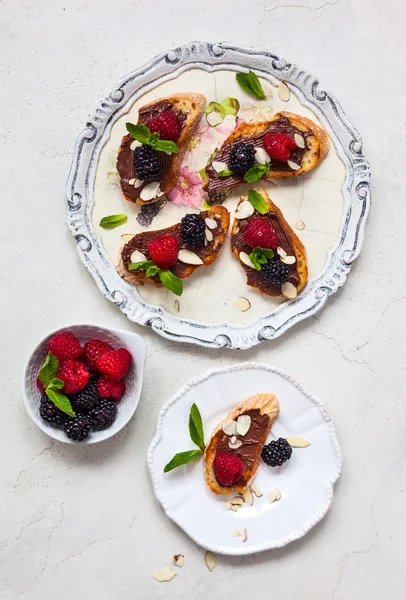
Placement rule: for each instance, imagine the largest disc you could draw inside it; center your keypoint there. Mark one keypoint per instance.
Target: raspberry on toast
(207, 251)
(188, 108)
(287, 242)
(262, 410)
(311, 146)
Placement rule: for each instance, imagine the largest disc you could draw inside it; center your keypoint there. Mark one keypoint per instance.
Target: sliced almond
(262, 156)
(233, 439)
(189, 258)
(236, 532)
(210, 557)
(244, 258)
(138, 183)
(177, 305)
(243, 424)
(294, 166)
(227, 505)
(234, 445)
(164, 574)
(281, 252)
(289, 290)
(219, 166)
(137, 256)
(178, 560)
(135, 144)
(211, 223)
(112, 177)
(230, 428)
(127, 237)
(235, 507)
(288, 260)
(248, 497)
(244, 536)
(237, 501)
(243, 304)
(299, 140)
(209, 235)
(297, 442)
(214, 119)
(150, 191)
(284, 92)
(257, 490)
(244, 210)
(131, 181)
(274, 495)
(300, 225)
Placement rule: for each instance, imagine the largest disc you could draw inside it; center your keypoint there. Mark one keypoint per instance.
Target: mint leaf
(152, 270)
(60, 401)
(196, 427)
(256, 172)
(259, 256)
(55, 384)
(258, 202)
(113, 221)
(165, 146)
(225, 173)
(202, 174)
(244, 81)
(182, 458)
(255, 262)
(256, 86)
(205, 206)
(171, 282)
(143, 264)
(140, 133)
(48, 370)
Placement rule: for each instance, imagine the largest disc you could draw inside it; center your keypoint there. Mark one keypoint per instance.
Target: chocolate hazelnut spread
(281, 125)
(254, 277)
(248, 451)
(125, 158)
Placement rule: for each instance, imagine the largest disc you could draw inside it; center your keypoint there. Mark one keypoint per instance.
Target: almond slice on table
(284, 92)
(257, 490)
(244, 536)
(210, 560)
(164, 574)
(242, 303)
(248, 497)
(274, 496)
(297, 442)
(236, 532)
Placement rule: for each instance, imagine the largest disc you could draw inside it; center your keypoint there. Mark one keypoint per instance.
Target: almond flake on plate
(210, 223)
(297, 442)
(299, 140)
(274, 495)
(242, 303)
(300, 225)
(257, 490)
(244, 210)
(236, 532)
(210, 560)
(294, 166)
(189, 258)
(244, 258)
(289, 290)
(230, 428)
(227, 505)
(248, 497)
(178, 560)
(150, 191)
(237, 501)
(284, 92)
(243, 424)
(244, 536)
(164, 574)
(126, 237)
(137, 256)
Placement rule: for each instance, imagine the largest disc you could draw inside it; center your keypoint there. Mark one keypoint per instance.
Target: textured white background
(81, 522)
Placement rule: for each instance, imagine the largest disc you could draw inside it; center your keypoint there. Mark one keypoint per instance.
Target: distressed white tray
(306, 481)
(214, 57)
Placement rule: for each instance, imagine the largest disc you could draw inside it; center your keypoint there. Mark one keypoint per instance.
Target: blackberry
(85, 400)
(50, 413)
(275, 271)
(149, 211)
(78, 428)
(103, 415)
(276, 452)
(192, 230)
(242, 157)
(217, 196)
(146, 163)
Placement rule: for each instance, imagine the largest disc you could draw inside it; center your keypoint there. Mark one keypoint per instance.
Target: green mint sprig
(142, 134)
(113, 221)
(260, 256)
(251, 84)
(52, 385)
(258, 202)
(256, 172)
(168, 279)
(196, 435)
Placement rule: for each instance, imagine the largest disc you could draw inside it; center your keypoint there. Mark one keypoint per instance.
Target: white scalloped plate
(327, 207)
(306, 481)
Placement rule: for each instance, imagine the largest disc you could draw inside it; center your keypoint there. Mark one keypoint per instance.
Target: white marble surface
(81, 522)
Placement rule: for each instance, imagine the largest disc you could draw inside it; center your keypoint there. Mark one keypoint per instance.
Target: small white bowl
(134, 379)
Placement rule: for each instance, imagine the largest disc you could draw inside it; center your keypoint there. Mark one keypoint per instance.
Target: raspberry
(118, 391)
(164, 251)
(110, 389)
(259, 232)
(74, 375)
(242, 158)
(167, 124)
(275, 272)
(93, 349)
(279, 146)
(146, 164)
(114, 365)
(192, 230)
(65, 346)
(227, 468)
(40, 386)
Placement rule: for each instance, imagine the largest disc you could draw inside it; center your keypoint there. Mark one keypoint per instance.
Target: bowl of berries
(82, 383)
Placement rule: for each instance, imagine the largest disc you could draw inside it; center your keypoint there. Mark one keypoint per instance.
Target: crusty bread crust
(216, 211)
(298, 247)
(267, 404)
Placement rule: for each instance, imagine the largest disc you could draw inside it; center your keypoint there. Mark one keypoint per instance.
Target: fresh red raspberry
(93, 349)
(118, 391)
(65, 346)
(259, 232)
(114, 365)
(74, 375)
(164, 251)
(228, 468)
(40, 386)
(167, 124)
(279, 146)
(104, 387)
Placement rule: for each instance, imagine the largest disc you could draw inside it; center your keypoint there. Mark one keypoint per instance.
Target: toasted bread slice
(263, 410)
(189, 108)
(314, 138)
(288, 241)
(207, 253)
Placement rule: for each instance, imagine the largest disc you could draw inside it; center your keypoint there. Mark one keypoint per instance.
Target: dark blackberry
(276, 452)
(242, 157)
(217, 196)
(192, 230)
(149, 211)
(50, 413)
(146, 163)
(275, 271)
(103, 415)
(78, 428)
(85, 400)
